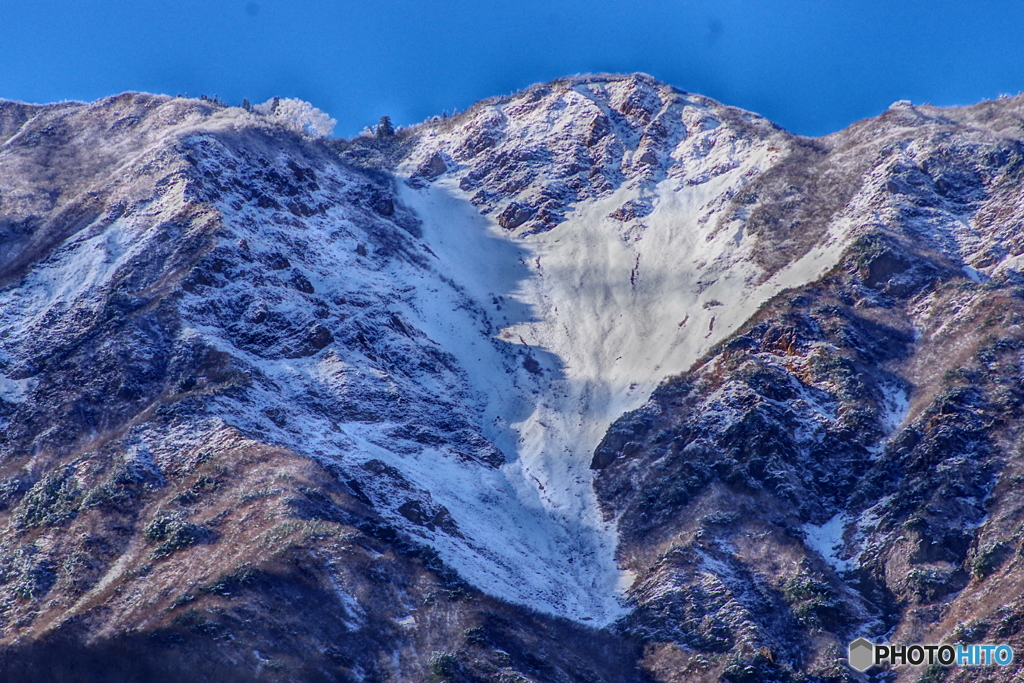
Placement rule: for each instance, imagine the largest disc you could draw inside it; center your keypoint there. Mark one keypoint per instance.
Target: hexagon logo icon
(862, 654)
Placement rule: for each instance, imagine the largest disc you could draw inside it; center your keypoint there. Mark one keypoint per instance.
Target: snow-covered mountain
(505, 394)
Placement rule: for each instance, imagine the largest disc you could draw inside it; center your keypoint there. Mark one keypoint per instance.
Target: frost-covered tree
(298, 115)
(385, 129)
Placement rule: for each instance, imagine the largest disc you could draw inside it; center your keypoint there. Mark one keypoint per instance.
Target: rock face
(600, 381)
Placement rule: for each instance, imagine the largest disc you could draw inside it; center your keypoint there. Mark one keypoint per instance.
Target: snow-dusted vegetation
(598, 355)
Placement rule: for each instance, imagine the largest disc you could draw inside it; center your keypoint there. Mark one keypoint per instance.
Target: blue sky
(811, 66)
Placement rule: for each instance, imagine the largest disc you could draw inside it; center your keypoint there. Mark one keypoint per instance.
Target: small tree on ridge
(385, 129)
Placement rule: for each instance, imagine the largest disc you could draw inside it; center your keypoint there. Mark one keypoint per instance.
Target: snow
(537, 342)
(15, 390)
(601, 313)
(895, 405)
(827, 541)
(974, 274)
(595, 309)
(551, 337)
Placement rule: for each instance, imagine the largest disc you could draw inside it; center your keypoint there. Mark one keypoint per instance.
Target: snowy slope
(454, 340)
(458, 372)
(586, 351)
(613, 306)
(412, 368)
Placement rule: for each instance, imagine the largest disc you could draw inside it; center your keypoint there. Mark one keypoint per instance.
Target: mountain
(600, 381)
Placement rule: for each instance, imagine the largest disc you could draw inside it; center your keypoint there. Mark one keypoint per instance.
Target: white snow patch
(601, 314)
(827, 541)
(554, 336)
(895, 407)
(626, 580)
(15, 390)
(974, 274)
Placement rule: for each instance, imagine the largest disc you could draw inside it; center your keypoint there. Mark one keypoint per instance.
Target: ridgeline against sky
(811, 67)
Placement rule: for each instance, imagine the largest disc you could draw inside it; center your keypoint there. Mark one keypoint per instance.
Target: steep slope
(282, 408)
(360, 333)
(208, 382)
(847, 465)
(622, 193)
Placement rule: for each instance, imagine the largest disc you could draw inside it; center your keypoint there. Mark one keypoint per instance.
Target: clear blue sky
(811, 66)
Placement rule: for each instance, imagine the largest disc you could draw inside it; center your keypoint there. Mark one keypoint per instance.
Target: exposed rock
(268, 412)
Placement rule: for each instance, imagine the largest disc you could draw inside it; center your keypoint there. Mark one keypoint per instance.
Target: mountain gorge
(599, 381)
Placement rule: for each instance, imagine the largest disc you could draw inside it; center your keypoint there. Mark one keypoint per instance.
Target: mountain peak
(581, 138)
(601, 380)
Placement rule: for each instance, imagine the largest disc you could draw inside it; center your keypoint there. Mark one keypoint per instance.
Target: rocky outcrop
(528, 158)
(843, 466)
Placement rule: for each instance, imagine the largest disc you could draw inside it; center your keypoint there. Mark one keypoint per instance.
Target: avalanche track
(454, 338)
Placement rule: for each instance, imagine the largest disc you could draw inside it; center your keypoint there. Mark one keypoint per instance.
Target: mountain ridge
(316, 366)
